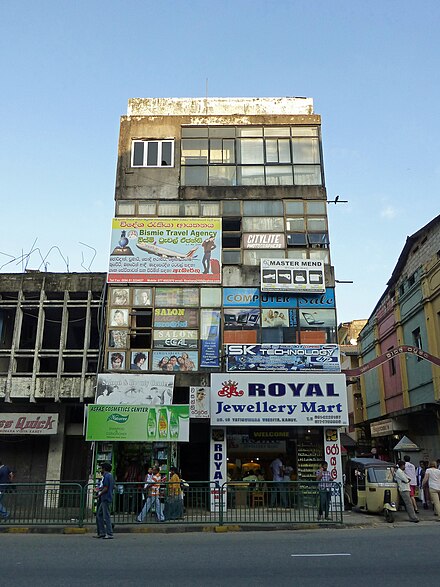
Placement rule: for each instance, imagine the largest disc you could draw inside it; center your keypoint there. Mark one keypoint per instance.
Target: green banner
(138, 423)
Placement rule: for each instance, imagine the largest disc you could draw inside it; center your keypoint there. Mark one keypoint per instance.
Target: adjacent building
(402, 395)
(50, 336)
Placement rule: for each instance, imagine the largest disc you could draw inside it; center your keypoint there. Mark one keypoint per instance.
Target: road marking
(332, 554)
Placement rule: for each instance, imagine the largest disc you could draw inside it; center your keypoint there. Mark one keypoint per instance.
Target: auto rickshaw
(370, 486)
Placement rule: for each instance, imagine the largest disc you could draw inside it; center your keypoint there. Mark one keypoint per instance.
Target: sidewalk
(351, 519)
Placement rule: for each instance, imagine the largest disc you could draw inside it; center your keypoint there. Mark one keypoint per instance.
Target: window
(253, 257)
(235, 156)
(152, 153)
(391, 363)
(417, 341)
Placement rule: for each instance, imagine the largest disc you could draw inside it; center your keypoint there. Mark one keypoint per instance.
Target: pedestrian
(403, 482)
(174, 502)
(420, 473)
(105, 498)
(324, 477)
(276, 466)
(155, 494)
(148, 501)
(432, 480)
(410, 470)
(6, 476)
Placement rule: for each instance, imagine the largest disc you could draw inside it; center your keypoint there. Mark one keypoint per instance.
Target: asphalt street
(402, 555)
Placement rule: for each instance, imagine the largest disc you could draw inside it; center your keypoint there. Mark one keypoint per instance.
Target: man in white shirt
(410, 470)
(403, 484)
(276, 466)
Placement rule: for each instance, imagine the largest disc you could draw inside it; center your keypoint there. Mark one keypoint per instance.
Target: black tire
(389, 516)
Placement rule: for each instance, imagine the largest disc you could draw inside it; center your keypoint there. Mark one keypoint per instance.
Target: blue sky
(68, 69)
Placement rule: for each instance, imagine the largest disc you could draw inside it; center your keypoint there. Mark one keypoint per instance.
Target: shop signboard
(332, 454)
(139, 389)
(266, 240)
(175, 318)
(178, 339)
(282, 357)
(210, 338)
(218, 468)
(165, 250)
(252, 297)
(37, 424)
(292, 275)
(199, 398)
(137, 423)
(265, 399)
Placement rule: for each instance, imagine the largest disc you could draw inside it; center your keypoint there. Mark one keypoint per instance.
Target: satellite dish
(353, 341)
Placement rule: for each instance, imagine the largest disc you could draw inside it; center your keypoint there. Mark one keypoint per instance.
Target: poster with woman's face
(119, 296)
(175, 361)
(139, 361)
(119, 317)
(272, 318)
(142, 297)
(116, 361)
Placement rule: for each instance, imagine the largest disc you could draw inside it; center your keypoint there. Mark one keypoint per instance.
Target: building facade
(220, 239)
(50, 336)
(401, 397)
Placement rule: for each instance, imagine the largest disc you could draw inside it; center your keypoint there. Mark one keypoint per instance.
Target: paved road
(373, 557)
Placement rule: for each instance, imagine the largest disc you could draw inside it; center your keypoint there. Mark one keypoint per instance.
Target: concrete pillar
(54, 460)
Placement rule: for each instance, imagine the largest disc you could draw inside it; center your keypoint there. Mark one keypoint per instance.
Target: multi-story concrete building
(50, 335)
(221, 237)
(402, 396)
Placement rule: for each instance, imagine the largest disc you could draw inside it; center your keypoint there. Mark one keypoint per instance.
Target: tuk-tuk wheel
(389, 516)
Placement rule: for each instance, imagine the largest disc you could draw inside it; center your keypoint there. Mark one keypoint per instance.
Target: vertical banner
(210, 338)
(199, 402)
(332, 454)
(218, 467)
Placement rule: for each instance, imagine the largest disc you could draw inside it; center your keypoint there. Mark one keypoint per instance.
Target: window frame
(146, 142)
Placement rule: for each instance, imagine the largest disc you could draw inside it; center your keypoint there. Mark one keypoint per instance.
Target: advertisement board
(282, 357)
(199, 398)
(292, 275)
(252, 297)
(210, 338)
(28, 423)
(175, 360)
(266, 240)
(165, 250)
(140, 389)
(137, 423)
(175, 318)
(265, 399)
(178, 339)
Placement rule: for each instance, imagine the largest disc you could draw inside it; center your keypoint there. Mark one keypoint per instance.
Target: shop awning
(406, 445)
(347, 440)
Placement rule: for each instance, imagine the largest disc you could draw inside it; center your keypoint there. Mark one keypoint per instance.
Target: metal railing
(200, 502)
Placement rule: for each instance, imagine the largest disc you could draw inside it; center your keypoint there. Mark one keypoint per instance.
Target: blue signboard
(282, 357)
(248, 297)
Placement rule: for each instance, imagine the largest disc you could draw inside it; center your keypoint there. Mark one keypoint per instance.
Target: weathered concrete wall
(218, 106)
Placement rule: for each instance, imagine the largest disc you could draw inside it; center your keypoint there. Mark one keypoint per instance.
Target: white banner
(279, 399)
(288, 275)
(199, 402)
(218, 467)
(40, 424)
(141, 389)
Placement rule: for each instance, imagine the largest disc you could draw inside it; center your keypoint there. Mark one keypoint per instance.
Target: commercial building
(221, 237)
(401, 396)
